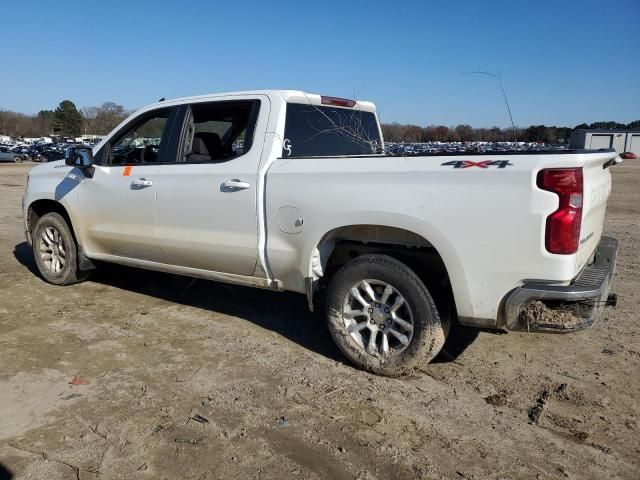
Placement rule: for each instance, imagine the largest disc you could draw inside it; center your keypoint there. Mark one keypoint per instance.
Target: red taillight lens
(338, 102)
(563, 226)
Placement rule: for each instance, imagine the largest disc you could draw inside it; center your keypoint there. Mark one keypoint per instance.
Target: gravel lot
(280, 400)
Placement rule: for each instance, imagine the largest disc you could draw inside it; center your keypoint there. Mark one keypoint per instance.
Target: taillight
(563, 226)
(338, 102)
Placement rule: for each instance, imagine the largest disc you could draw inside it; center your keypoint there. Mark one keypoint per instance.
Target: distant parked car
(24, 152)
(35, 155)
(52, 155)
(628, 156)
(7, 155)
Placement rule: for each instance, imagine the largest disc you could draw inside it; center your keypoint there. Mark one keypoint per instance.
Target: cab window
(321, 131)
(217, 132)
(143, 142)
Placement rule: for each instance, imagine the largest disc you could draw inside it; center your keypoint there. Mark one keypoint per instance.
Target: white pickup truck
(286, 190)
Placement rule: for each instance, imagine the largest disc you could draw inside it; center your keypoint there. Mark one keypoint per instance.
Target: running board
(191, 272)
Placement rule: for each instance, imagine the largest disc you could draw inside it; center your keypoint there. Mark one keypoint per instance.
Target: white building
(621, 140)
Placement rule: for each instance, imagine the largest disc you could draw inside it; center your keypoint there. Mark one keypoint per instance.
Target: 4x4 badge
(480, 164)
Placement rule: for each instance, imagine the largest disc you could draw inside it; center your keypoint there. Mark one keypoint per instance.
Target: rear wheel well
(402, 245)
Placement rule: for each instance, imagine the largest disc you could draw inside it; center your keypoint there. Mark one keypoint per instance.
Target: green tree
(67, 119)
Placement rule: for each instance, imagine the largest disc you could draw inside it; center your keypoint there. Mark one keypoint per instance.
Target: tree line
(396, 132)
(66, 120)
(69, 121)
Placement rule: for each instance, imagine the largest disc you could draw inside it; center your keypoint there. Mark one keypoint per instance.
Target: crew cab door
(116, 201)
(206, 201)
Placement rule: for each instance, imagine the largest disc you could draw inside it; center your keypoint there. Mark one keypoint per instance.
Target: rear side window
(217, 132)
(319, 131)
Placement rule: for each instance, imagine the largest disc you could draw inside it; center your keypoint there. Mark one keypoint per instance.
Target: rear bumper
(537, 307)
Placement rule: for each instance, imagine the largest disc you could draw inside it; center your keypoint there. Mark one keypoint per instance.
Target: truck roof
(289, 96)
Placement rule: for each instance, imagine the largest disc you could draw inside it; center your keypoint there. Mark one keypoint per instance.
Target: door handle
(235, 184)
(142, 182)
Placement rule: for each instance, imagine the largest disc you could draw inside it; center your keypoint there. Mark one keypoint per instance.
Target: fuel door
(290, 220)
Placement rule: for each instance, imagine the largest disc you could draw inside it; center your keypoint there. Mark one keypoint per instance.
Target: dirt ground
(280, 400)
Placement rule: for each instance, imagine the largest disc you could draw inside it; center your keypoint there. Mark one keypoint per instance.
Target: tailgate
(597, 187)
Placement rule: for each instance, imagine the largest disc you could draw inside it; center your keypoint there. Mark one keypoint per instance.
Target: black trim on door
(175, 140)
(253, 122)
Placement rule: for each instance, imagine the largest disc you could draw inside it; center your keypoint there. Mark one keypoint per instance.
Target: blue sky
(562, 62)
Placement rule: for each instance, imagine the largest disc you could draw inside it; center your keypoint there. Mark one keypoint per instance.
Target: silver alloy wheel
(52, 250)
(377, 317)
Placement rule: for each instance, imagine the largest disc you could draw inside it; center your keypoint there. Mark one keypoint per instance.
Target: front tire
(17, 159)
(382, 317)
(56, 251)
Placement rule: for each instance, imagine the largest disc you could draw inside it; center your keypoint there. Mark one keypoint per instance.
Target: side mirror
(81, 157)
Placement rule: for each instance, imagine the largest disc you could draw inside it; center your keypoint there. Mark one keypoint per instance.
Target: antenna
(504, 94)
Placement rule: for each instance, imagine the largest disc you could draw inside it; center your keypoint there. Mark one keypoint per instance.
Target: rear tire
(56, 251)
(378, 296)
(17, 159)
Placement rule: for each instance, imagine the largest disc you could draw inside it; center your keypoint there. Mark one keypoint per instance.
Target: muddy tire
(17, 159)
(378, 296)
(56, 251)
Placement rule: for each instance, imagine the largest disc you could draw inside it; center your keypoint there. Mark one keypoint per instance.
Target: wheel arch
(341, 244)
(40, 207)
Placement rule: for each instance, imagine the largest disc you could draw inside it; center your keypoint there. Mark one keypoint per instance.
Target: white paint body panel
(487, 224)
(116, 218)
(203, 225)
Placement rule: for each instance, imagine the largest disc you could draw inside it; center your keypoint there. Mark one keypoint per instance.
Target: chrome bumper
(536, 307)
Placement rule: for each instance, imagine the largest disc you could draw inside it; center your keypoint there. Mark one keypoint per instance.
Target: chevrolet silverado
(286, 190)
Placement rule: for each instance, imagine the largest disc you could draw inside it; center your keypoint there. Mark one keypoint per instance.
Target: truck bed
(486, 217)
